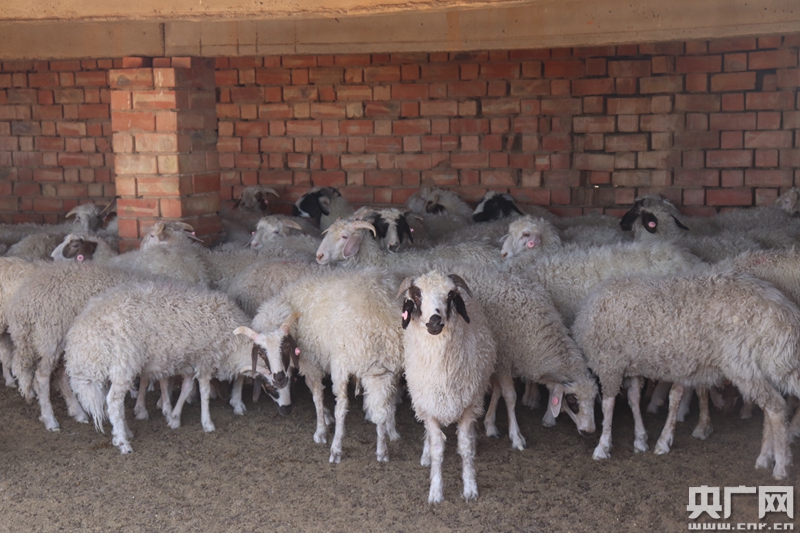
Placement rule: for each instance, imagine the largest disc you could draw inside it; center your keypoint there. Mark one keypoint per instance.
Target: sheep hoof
(763, 462)
(320, 437)
(601, 453)
(81, 417)
(640, 446)
(425, 460)
(336, 458)
(519, 444)
(661, 448)
(51, 425)
(239, 409)
(393, 434)
(209, 428)
(779, 472)
(702, 433)
(471, 491)
(326, 415)
(492, 431)
(435, 496)
(652, 409)
(174, 423)
(141, 414)
(383, 458)
(125, 449)
(11, 383)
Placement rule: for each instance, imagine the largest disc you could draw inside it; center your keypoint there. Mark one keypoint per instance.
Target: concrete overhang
(62, 29)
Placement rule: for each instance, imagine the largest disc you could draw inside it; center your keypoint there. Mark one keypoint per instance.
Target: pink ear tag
(651, 224)
(80, 258)
(554, 401)
(194, 233)
(405, 315)
(297, 351)
(252, 233)
(412, 230)
(531, 244)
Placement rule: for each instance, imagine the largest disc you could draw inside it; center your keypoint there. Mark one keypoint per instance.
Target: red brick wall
(708, 124)
(55, 138)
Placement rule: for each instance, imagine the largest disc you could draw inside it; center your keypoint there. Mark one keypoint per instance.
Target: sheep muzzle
(435, 325)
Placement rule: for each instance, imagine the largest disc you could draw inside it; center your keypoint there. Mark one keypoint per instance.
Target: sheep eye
(526, 234)
(344, 237)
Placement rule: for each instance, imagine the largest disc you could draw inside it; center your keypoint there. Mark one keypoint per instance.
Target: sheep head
(342, 240)
(77, 247)
(529, 235)
(272, 228)
(254, 199)
(431, 298)
(494, 206)
(315, 203)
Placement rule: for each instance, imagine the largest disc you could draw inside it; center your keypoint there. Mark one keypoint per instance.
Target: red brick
(500, 70)
(48, 174)
(696, 140)
(769, 100)
(43, 79)
(382, 109)
(469, 160)
(593, 162)
(628, 106)
(440, 72)
(662, 122)
(467, 89)
(732, 44)
(772, 59)
(791, 119)
(382, 178)
(766, 158)
(790, 158)
(731, 140)
(526, 125)
(328, 110)
(330, 145)
(382, 73)
(90, 111)
(564, 69)
(300, 93)
(527, 88)
(686, 64)
(562, 106)
(768, 139)
(768, 178)
(384, 145)
(468, 126)
(328, 178)
(121, 79)
(602, 124)
(410, 91)
(252, 129)
(729, 158)
(706, 103)
(277, 144)
(356, 127)
(626, 143)
(411, 127)
(629, 69)
(502, 106)
(593, 86)
(732, 121)
(740, 81)
(661, 84)
(413, 161)
(70, 129)
(439, 108)
(658, 159)
(696, 178)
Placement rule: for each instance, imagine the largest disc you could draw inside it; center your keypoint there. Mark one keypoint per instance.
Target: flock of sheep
(399, 300)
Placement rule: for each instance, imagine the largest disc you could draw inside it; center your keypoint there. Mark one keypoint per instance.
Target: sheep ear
(72, 213)
(649, 222)
(556, 398)
(352, 246)
(325, 205)
(679, 224)
(262, 202)
(238, 203)
(408, 308)
(461, 308)
(292, 224)
(629, 218)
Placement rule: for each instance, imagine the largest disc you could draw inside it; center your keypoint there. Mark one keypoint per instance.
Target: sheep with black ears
(696, 329)
(348, 326)
(346, 241)
(449, 355)
(156, 330)
(82, 247)
(325, 205)
(391, 225)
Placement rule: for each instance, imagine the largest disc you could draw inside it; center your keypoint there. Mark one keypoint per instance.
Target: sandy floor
(262, 472)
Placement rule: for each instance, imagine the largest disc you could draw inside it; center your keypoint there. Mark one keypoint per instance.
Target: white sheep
(532, 343)
(347, 241)
(35, 247)
(155, 330)
(13, 271)
(262, 280)
(349, 326)
(449, 356)
(438, 201)
(391, 225)
(39, 314)
(82, 247)
(696, 330)
(239, 221)
(284, 234)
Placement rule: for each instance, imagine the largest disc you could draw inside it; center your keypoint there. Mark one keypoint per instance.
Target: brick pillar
(163, 115)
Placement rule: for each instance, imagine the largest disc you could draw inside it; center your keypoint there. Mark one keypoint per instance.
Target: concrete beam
(364, 29)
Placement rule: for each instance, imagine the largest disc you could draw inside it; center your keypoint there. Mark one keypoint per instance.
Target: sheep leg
(686, 400)
(174, 420)
(165, 401)
(391, 423)
(42, 380)
(603, 449)
(425, 458)
(510, 397)
(549, 419)
(205, 395)
(340, 383)
(6, 356)
(115, 399)
(775, 441)
(236, 395)
(436, 448)
(466, 449)
(794, 427)
(314, 382)
(73, 405)
(379, 400)
(530, 398)
(747, 410)
(667, 434)
(634, 397)
(491, 411)
(703, 429)
(660, 393)
(140, 409)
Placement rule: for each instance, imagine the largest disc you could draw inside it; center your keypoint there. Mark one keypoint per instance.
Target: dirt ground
(263, 472)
